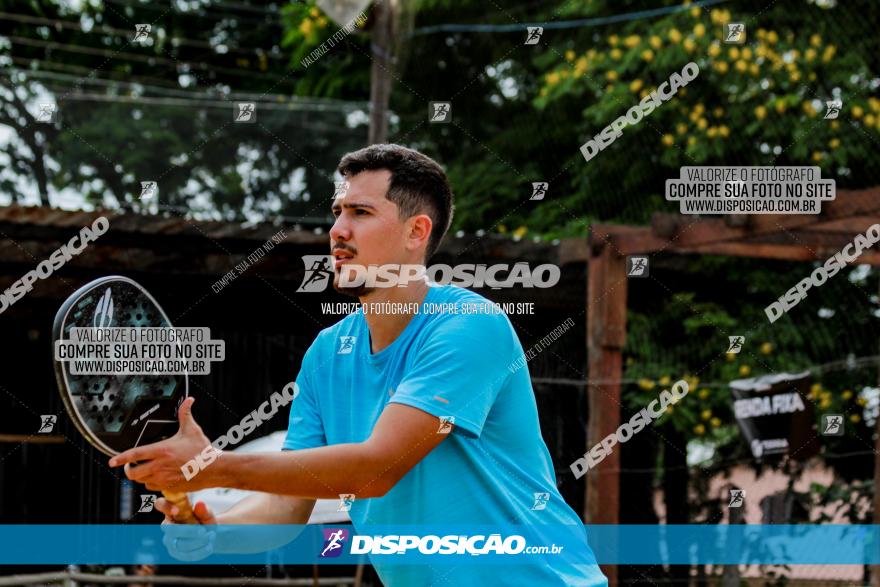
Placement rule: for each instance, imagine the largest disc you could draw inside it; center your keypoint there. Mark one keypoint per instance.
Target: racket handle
(185, 513)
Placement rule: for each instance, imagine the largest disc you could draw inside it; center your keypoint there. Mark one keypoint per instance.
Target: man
(414, 414)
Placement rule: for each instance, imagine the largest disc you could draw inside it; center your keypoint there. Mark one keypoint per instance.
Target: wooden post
(606, 334)
(381, 69)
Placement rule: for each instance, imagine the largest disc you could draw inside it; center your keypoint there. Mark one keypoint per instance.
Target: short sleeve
(459, 370)
(305, 428)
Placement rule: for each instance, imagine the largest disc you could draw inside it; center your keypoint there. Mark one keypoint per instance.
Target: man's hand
(161, 462)
(188, 542)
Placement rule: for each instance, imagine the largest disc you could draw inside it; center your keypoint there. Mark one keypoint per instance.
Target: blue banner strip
(440, 544)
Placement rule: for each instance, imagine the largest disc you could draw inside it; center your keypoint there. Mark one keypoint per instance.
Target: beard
(355, 291)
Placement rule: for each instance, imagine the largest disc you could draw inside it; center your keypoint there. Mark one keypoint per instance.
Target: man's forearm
(313, 473)
(261, 509)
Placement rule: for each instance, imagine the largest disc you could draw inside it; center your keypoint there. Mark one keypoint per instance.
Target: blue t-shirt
(491, 467)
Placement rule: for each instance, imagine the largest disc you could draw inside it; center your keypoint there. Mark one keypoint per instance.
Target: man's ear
(419, 231)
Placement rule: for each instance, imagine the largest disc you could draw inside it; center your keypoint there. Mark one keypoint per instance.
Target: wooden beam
(606, 335)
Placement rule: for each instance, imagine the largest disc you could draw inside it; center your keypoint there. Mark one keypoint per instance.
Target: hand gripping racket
(118, 412)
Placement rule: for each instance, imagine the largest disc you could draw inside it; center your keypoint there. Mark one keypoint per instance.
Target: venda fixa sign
(634, 115)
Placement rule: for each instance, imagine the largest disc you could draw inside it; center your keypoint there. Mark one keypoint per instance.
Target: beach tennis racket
(118, 412)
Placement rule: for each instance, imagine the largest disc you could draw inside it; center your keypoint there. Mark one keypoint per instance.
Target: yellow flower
(861, 401)
(314, 11)
(611, 75)
(706, 414)
(744, 370)
(855, 418)
(702, 124)
(834, 143)
(664, 381)
(760, 112)
(552, 78)
(746, 53)
(689, 45)
(794, 76)
(869, 120)
(656, 42)
(692, 381)
(613, 40)
(809, 109)
(712, 132)
(847, 394)
(646, 384)
(723, 131)
(874, 103)
(581, 66)
(699, 108)
(681, 128)
(815, 390)
(835, 125)
(829, 52)
(824, 403)
(322, 23)
(733, 52)
(569, 55)
(817, 156)
(714, 50)
(715, 422)
(520, 232)
(816, 40)
(674, 35)
(647, 55)
(692, 140)
(305, 27)
(780, 105)
(699, 429)
(721, 66)
(703, 393)
(669, 409)
(635, 85)
(615, 54)
(644, 93)
(699, 30)
(631, 41)
(731, 357)
(766, 348)
(668, 140)
(810, 54)
(695, 11)
(741, 66)
(857, 111)
(772, 37)
(754, 69)
(825, 395)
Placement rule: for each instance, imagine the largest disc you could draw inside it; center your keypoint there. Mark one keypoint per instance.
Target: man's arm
(402, 437)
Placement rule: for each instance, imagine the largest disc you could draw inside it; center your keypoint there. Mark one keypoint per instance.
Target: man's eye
(360, 212)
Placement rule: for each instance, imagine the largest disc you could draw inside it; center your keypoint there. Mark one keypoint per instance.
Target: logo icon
(341, 189)
(103, 317)
(446, 423)
(440, 112)
(539, 190)
(142, 33)
(333, 540)
(541, 500)
(533, 35)
(832, 109)
(346, 345)
(148, 500)
(47, 112)
(345, 502)
(737, 498)
(736, 343)
(245, 112)
(47, 423)
(832, 424)
(319, 272)
(735, 32)
(148, 189)
(636, 266)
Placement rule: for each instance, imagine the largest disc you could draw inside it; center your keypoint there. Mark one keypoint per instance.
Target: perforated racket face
(117, 412)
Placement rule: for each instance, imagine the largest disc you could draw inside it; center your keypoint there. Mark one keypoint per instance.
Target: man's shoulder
(328, 338)
(456, 311)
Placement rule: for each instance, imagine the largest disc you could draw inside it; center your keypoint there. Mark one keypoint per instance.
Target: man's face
(368, 230)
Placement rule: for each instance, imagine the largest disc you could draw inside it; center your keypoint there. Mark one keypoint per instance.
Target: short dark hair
(418, 184)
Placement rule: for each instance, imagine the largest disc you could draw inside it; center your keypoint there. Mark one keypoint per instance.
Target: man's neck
(389, 310)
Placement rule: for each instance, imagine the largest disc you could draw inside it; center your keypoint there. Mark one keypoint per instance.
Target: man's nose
(340, 230)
